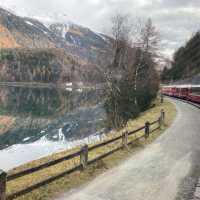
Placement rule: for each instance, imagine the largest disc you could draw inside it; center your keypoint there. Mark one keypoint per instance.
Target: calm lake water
(48, 121)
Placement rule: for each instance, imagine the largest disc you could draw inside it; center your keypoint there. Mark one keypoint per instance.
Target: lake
(46, 121)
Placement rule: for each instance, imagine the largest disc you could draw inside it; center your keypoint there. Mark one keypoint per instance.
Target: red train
(187, 92)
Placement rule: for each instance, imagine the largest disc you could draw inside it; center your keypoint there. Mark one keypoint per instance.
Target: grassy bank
(78, 178)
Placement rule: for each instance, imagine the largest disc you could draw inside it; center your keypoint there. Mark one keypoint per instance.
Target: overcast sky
(176, 20)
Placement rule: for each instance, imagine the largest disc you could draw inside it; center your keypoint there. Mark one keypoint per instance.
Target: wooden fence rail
(82, 154)
(42, 166)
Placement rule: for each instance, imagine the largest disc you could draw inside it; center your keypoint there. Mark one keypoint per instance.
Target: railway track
(185, 101)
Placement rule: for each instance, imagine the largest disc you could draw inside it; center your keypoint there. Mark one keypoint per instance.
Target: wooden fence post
(84, 156)
(162, 115)
(160, 122)
(147, 129)
(3, 176)
(161, 98)
(125, 139)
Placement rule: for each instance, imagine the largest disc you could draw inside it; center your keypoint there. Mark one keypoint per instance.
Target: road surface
(165, 170)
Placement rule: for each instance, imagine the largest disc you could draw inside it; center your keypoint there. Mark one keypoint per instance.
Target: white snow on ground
(79, 90)
(61, 135)
(69, 89)
(29, 23)
(102, 37)
(69, 84)
(26, 139)
(73, 40)
(65, 29)
(99, 34)
(41, 148)
(45, 32)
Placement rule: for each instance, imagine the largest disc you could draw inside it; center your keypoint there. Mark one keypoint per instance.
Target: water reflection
(50, 114)
(30, 101)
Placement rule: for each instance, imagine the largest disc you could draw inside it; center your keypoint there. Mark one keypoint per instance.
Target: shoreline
(51, 85)
(28, 84)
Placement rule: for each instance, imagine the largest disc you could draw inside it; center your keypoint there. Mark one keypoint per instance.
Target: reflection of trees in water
(31, 101)
(37, 110)
(39, 102)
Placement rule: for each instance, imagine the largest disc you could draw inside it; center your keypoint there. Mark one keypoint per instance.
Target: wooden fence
(82, 154)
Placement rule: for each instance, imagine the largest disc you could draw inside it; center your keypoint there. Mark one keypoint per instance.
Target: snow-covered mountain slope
(23, 32)
(76, 40)
(80, 36)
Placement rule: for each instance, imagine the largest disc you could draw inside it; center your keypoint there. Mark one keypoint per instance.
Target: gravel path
(162, 171)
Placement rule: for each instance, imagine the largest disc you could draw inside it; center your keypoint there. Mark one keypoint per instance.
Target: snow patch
(102, 37)
(79, 90)
(61, 135)
(26, 139)
(73, 40)
(41, 148)
(69, 89)
(43, 131)
(65, 29)
(29, 23)
(45, 32)
(69, 84)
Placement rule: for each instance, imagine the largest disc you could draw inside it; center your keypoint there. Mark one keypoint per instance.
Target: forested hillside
(33, 52)
(186, 61)
(45, 66)
(28, 65)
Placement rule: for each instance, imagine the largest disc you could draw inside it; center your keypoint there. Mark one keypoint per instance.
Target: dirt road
(162, 171)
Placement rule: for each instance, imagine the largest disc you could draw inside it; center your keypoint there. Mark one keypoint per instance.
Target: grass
(78, 178)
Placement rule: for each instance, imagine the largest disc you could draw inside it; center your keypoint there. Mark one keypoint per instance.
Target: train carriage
(194, 94)
(187, 92)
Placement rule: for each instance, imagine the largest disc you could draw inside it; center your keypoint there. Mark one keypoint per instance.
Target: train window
(185, 90)
(195, 90)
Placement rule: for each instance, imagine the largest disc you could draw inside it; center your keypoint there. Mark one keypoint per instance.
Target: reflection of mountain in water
(50, 114)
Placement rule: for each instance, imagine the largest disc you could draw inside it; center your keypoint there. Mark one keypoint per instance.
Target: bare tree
(121, 30)
(150, 38)
(119, 51)
(147, 45)
(124, 70)
(119, 76)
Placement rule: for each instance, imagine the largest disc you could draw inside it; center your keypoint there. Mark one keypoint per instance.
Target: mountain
(82, 41)
(80, 36)
(78, 41)
(19, 32)
(70, 47)
(186, 63)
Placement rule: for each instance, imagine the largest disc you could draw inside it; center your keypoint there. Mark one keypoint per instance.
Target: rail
(197, 105)
(82, 154)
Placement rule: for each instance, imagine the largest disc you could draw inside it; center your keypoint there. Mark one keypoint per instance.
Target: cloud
(175, 19)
